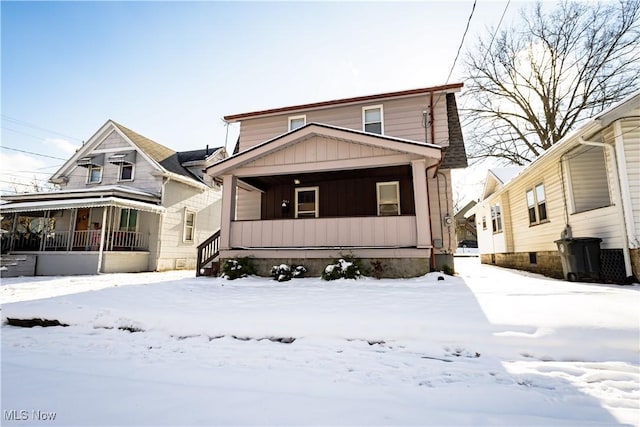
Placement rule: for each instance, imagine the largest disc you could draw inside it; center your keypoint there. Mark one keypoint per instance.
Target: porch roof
(90, 202)
(320, 129)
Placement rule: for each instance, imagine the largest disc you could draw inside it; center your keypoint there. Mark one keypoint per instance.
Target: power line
(32, 153)
(31, 125)
(464, 35)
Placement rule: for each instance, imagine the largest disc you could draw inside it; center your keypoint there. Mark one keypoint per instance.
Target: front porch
(81, 237)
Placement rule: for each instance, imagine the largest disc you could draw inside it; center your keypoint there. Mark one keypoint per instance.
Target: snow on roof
(506, 174)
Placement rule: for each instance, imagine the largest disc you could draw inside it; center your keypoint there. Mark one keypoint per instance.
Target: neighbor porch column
(102, 232)
(228, 210)
(420, 195)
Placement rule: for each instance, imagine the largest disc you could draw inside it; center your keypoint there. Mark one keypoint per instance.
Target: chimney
(206, 153)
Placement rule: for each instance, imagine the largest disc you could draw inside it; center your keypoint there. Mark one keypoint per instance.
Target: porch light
(296, 181)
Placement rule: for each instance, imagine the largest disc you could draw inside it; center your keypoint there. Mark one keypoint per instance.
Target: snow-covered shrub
(448, 270)
(236, 268)
(284, 272)
(342, 269)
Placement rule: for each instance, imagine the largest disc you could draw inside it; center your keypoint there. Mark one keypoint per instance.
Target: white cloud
(64, 147)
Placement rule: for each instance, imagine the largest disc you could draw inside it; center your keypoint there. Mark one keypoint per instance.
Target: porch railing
(89, 240)
(207, 252)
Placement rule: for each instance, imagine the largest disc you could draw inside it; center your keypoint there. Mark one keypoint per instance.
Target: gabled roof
(310, 129)
(498, 177)
(399, 94)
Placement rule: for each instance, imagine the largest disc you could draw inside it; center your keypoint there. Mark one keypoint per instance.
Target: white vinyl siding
(631, 135)
(588, 178)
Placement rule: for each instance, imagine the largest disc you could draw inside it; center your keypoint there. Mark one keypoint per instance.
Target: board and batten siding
(143, 178)
(248, 204)
(402, 118)
(631, 135)
(319, 149)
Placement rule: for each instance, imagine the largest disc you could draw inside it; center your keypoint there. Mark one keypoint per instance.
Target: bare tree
(535, 81)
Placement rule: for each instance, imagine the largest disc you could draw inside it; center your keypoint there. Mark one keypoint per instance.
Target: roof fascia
(453, 87)
(310, 129)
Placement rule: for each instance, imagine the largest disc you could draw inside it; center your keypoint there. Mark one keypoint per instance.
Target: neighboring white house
(586, 185)
(368, 177)
(126, 204)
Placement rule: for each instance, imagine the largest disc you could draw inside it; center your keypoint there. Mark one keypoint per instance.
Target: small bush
(448, 270)
(342, 269)
(236, 268)
(377, 269)
(284, 272)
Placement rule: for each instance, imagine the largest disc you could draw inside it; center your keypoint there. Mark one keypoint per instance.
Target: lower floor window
(128, 219)
(388, 195)
(307, 202)
(189, 226)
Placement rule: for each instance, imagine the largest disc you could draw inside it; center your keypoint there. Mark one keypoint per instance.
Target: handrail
(207, 251)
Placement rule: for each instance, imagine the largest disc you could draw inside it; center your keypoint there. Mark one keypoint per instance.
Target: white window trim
(378, 185)
(316, 190)
(137, 219)
(495, 215)
(89, 169)
(373, 107)
(185, 226)
(133, 172)
(536, 204)
(291, 118)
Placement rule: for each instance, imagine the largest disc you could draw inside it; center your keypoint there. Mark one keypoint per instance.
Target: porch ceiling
(264, 182)
(48, 205)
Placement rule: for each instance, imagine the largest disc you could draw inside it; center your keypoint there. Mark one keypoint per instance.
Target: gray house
(125, 204)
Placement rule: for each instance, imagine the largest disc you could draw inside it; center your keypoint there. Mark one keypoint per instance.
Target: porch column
(228, 210)
(420, 195)
(102, 231)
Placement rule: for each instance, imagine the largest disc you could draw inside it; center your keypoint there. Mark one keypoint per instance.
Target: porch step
(17, 265)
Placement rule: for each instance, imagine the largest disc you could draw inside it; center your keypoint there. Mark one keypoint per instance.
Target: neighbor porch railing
(89, 240)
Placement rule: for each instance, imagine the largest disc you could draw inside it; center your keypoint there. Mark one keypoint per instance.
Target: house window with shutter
(296, 122)
(94, 174)
(537, 205)
(372, 119)
(307, 202)
(388, 195)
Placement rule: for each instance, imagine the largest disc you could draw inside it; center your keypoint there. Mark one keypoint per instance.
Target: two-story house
(126, 204)
(367, 177)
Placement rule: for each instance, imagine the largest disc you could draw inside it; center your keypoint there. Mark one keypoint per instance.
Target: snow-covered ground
(489, 347)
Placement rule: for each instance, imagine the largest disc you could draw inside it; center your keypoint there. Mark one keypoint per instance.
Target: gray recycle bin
(580, 257)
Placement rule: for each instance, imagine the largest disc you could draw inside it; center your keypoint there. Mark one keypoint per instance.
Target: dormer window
(126, 172)
(296, 122)
(372, 119)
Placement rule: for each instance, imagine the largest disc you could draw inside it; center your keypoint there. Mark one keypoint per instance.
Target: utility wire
(31, 125)
(464, 35)
(32, 153)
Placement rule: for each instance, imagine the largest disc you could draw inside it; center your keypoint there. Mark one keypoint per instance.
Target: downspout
(618, 188)
(165, 181)
(102, 233)
(436, 166)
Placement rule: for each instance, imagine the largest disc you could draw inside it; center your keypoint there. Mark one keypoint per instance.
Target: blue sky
(172, 70)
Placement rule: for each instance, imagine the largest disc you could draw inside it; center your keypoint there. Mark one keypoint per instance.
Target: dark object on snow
(580, 257)
(440, 277)
(30, 323)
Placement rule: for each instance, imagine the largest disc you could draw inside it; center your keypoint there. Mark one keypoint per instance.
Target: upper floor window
(307, 202)
(537, 205)
(484, 222)
(296, 122)
(372, 119)
(126, 172)
(388, 195)
(94, 174)
(189, 226)
(496, 218)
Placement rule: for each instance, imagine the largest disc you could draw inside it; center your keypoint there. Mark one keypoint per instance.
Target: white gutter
(619, 195)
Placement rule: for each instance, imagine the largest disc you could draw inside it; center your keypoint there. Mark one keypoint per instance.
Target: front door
(81, 236)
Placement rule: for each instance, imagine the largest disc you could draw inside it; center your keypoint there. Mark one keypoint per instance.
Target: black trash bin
(580, 258)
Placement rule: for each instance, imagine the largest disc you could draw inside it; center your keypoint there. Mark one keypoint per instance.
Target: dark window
(126, 172)
(533, 258)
